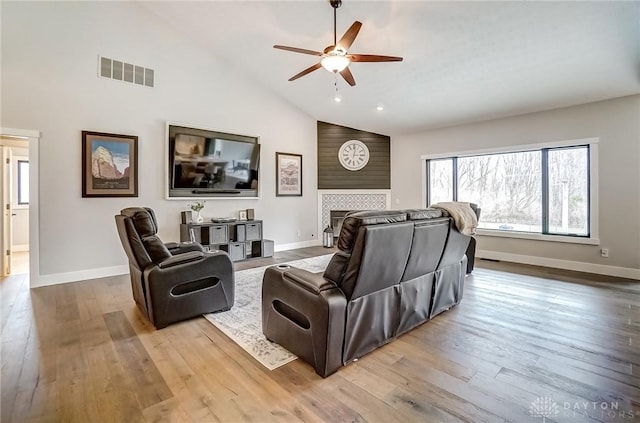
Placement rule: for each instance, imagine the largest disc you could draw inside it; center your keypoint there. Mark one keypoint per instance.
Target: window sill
(539, 237)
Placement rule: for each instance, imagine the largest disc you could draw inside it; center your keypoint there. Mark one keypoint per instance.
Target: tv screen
(206, 163)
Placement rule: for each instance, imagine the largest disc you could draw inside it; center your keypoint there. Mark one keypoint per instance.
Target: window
(23, 182)
(441, 176)
(568, 171)
(543, 190)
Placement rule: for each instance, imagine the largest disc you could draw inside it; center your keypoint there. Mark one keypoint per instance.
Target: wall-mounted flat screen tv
(204, 163)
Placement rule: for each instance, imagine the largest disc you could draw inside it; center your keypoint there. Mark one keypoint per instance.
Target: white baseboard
(578, 266)
(53, 279)
(294, 245)
(57, 278)
(20, 247)
(601, 269)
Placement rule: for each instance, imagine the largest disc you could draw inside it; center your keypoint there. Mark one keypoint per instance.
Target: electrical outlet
(604, 252)
(298, 233)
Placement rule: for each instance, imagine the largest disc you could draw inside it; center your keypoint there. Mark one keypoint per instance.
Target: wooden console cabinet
(241, 239)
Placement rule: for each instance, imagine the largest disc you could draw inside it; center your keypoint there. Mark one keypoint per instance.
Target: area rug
(243, 323)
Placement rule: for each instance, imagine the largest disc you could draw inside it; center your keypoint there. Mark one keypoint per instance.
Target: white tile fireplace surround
(348, 199)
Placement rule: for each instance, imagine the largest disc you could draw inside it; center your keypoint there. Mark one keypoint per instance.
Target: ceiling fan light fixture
(334, 63)
(334, 58)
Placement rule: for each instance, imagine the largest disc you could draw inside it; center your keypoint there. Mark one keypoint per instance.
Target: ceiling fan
(335, 57)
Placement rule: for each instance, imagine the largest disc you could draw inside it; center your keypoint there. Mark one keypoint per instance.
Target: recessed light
(380, 108)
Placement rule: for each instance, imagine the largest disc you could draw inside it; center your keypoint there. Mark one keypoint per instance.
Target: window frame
(592, 209)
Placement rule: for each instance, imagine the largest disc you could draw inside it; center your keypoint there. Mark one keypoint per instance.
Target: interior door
(7, 229)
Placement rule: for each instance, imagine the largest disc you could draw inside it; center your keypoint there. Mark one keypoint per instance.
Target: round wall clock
(353, 155)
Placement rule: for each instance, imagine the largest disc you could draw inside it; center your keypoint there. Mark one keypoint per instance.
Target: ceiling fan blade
(349, 36)
(306, 71)
(299, 50)
(372, 58)
(348, 76)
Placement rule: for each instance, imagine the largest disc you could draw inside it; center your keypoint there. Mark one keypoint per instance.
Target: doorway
(19, 189)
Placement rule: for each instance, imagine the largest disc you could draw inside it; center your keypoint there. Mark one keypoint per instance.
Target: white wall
(20, 224)
(616, 122)
(49, 83)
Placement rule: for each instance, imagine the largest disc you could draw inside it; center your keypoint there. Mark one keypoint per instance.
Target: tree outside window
(538, 191)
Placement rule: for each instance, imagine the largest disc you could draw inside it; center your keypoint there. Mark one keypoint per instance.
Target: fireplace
(335, 203)
(336, 217)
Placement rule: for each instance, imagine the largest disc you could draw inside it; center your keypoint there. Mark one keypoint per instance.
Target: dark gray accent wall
(331, 175)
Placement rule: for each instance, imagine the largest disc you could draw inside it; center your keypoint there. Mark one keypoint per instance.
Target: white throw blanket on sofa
(463, 215)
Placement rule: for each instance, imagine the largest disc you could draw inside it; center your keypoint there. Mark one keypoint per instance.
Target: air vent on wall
(116, 69)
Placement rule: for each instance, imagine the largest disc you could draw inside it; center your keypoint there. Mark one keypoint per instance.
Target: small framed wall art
(109, 165)
(288, 175)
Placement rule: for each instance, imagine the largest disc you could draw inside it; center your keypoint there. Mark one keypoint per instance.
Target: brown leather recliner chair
(394, 270)
(172, 282)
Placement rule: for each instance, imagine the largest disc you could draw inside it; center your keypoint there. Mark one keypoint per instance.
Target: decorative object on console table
(197, 208)
(250, 214)
(242, 215)
(186, 217)
(288, 175)
(109, 165)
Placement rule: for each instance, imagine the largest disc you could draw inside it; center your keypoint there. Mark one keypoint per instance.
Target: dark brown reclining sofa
(394, 270)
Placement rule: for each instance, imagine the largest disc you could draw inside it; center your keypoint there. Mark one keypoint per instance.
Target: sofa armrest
(181, 259)
(190, 266)
(166, 288)
(304, 313)
(183, 247)
(312, 282)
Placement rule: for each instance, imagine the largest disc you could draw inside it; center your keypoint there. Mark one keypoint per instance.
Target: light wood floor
(20, 262)
(518, 348)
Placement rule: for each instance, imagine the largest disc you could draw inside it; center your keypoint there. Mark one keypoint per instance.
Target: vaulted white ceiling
(463, 61)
